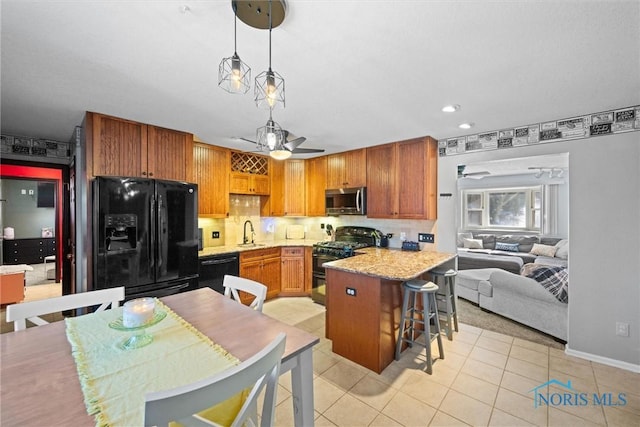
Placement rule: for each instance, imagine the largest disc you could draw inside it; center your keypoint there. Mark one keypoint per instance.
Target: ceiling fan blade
(294, 143)
(245, 139)
(307, 150)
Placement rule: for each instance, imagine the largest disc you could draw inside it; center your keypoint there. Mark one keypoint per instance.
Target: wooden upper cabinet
(119, 146)
(294, 188)
(273, 205)
(417, 189)
(315, 183)
(169, 154)
(123, 147)
(249, 174)
(402, 179)
(382, 201)
(347, 170)
(210, 172)
(286, 197)
(244, 183)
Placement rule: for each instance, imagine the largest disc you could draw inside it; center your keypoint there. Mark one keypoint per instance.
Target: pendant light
(234, 76)
(269, 85)
(270, 137)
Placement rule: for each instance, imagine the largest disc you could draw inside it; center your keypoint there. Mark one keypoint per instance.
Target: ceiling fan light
(270, 137)
(280, 154)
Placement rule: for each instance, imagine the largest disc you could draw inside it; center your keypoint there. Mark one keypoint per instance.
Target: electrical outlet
(426, 237)
(215, 234)
(622, 329)
(403, 236)
(322, 226)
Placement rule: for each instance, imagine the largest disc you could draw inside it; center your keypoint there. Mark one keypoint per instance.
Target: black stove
(347, 240)
(338, 249)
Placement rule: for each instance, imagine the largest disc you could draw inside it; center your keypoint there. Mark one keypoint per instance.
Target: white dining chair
(186, 404)
(233, 284)
(21, 312)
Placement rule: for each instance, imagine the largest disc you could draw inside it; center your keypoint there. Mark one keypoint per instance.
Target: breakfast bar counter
(392, 264)
(364, 299)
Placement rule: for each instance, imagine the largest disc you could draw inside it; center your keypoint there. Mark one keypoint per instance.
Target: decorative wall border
(580, 127)
(35, 148)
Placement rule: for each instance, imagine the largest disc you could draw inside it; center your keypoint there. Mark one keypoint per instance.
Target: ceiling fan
(291, 143)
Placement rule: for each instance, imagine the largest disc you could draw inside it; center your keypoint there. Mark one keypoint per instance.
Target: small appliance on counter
(382, 240)
(329, 231)
(295, 232)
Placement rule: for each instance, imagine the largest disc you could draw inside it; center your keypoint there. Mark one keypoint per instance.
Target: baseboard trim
(604, 360)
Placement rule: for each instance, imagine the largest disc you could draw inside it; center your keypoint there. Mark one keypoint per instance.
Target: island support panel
(362, 318)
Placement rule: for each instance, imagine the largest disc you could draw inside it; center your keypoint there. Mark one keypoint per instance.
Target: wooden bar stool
(412, 315)
(446, 298)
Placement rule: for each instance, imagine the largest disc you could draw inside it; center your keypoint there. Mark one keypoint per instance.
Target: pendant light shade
(271, 138)
(234, 76)
(269, 90)
(269, 86)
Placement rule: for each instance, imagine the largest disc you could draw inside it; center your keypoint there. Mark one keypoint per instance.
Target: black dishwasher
(214, 267)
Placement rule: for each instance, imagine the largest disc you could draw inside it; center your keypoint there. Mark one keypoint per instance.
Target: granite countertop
(219, 250)
(393, 264)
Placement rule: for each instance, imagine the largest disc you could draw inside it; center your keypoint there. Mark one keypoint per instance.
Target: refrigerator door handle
(153, 248)
(161, 231)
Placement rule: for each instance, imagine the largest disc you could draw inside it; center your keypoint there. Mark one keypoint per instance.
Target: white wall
(604, 233)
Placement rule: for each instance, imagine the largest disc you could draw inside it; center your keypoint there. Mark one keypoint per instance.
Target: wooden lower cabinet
(262, 265)
(292, 271)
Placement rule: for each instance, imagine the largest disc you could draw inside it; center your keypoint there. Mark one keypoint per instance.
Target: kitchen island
(364, 300)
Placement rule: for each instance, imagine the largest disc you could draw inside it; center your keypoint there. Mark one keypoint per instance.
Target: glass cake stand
(140, 337)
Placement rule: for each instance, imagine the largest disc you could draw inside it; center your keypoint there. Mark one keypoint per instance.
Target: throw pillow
(473, 243)
(563, 249)
(543, 250)
(509, 247)
(461, 237)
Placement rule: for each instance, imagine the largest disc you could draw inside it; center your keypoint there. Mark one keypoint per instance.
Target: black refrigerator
(145, 236)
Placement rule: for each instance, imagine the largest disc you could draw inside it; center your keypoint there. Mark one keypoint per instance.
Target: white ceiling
(358, 73)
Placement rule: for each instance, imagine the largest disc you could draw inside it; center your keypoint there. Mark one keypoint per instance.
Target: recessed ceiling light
(466, 125)
(450, 108)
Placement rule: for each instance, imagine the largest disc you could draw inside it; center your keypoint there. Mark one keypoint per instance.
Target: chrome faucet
(245, 239)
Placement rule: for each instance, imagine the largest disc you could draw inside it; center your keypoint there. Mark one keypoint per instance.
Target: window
(503, 208)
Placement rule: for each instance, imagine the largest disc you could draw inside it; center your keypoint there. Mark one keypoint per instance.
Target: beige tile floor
(485, 379)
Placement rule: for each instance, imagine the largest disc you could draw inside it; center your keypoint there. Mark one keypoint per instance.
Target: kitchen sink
(250, 245)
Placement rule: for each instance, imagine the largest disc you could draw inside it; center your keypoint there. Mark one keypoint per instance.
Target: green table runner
(114, 381)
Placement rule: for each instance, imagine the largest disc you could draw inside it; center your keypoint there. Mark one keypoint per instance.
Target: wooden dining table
(39, 382)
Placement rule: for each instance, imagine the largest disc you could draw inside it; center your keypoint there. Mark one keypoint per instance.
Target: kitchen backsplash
(268, 229)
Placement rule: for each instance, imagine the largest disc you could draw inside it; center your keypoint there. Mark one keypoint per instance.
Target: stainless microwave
(346, 201)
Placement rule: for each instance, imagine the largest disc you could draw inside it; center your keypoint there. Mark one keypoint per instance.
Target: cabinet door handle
(150, 173)
(144, 173)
